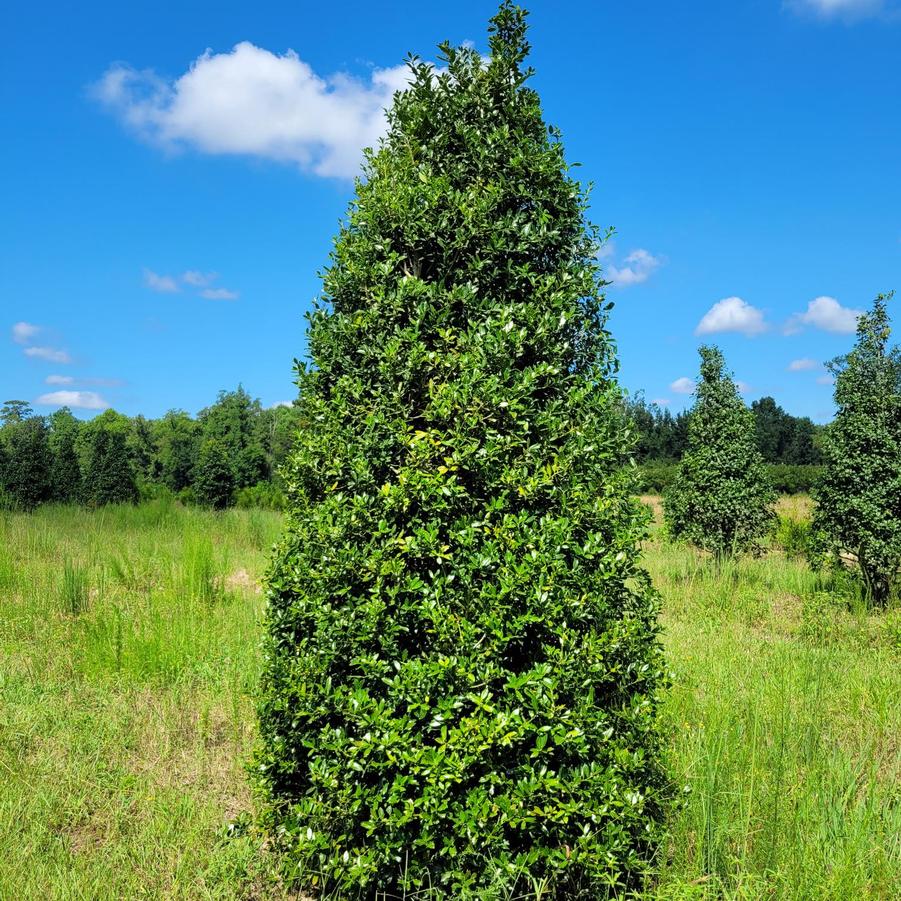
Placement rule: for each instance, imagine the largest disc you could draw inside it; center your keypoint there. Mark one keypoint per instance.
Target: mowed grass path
(129, 653)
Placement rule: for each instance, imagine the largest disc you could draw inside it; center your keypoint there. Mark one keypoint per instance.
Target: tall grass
(129, 651)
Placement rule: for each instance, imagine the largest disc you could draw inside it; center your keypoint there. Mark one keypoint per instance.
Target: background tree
(721, 499)
(781, 437)
(26, 464)
(858, 499)
(214, 481)
(108, 474)
(14, 411)
(232, 421)
(462, 654)
(177, 440)
(65, 470)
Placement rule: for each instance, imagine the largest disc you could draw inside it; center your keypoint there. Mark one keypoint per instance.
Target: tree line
(781, 438)
(229, 453)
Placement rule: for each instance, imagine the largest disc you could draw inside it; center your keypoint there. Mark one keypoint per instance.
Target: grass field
(129, 652)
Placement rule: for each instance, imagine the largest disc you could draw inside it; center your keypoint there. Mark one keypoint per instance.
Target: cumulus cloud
(803, 365)
(164, 284)
(59, 380)
(219, 294)
(661, 401)
(825, 313)
(683, 385)
(637, 267)
(82, 400)
(252, 102)
(282, 403)
(732, 314)
(838, 9)
(50, 354)
(23, 332)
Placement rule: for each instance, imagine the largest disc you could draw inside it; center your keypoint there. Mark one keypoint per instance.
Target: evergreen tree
(214, 481)
(65, 471)
(109, 477)
(26, 475)
(858, 500)
(15, 411)
(462, 660)
(721, 499)
(176, 437)
(232, 421)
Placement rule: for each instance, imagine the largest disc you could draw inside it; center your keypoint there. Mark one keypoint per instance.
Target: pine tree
(462, 661)
(858, 500)
(721, 499)
(214, 481)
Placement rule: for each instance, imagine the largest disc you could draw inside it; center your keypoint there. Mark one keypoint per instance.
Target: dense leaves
(214, 484)
(721, 499)
(858, 500)
(462, 661)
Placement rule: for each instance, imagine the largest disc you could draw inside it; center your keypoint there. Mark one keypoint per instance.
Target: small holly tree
(462, 661)
(858, 498)
(108, 474)
(721, 499)
(26, 461)
(214, 481)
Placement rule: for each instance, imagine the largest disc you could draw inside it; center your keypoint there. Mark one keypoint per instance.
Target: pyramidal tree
(721, 499)
(858, 499)
(462, 659)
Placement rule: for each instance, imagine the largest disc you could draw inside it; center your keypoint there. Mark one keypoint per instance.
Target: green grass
(129, 652)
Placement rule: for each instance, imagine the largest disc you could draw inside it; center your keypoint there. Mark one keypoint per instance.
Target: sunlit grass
(129, 653)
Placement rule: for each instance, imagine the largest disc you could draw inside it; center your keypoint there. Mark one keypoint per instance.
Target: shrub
(26, 462)
(721, 500)
(462, 662)
(794, 536)
(858, 498)
(656, 476)
(793, 479)
(262, 496)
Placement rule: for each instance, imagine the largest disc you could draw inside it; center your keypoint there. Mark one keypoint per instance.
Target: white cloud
(661, 401)
(84, 400)
(252, 102)
(198, 279)
(838, 9)
(23, 332)
(803, 365)
(732, 314)
(164, 284)
(638, 266)
(825, 313)
(825, 380)
(743, 387)
(51, 354)
(219, 294)
(282, 403)
(59, 380)
(683, 385)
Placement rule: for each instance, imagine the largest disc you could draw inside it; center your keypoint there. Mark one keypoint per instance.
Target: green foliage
(263, 496)
(65, 471)
(858, 499)
(214, 481)
(462, 662)
(794, 479)
(783, 438)
(15, 411)
(26, 461)
(108, 474)
(177, 444)
(721, 499)
(232, 421)
(794, 536)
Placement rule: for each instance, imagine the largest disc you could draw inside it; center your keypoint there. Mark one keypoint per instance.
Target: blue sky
(173, 175)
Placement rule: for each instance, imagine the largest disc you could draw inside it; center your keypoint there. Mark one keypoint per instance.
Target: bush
(262, 496)
(720, 500)
(462, 662)
(656, 476)
(794, 536)
(793, 479)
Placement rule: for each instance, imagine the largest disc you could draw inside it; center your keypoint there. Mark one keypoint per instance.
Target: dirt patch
(241, 580)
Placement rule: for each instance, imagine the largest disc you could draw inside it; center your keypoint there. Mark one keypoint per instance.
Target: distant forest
(232, 451)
